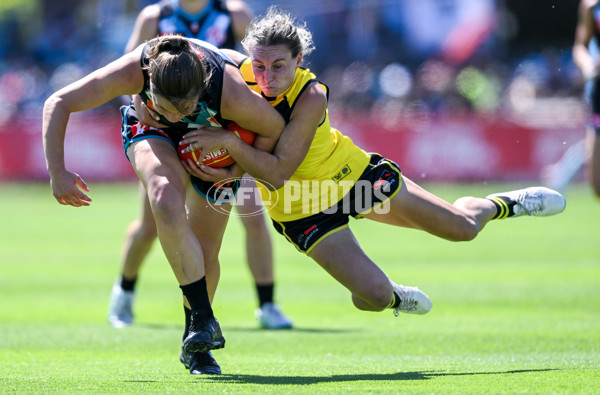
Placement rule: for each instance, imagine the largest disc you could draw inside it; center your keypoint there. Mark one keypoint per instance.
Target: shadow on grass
(308, 380)
(240, 329)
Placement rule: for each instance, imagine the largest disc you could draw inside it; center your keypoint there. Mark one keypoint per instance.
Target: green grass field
(515, 311)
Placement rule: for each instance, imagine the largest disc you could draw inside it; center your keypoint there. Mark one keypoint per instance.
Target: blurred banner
(448, 148)
(93, 149)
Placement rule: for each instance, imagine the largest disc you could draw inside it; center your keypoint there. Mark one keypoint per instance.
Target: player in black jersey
(223, 24)
(186, 82)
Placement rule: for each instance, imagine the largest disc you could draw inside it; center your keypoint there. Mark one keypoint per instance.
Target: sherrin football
(219, 158)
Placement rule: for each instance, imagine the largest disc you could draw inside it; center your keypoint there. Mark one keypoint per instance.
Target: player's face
(274, 68)
(170, 111)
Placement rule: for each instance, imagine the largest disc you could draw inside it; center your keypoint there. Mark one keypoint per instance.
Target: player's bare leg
(414, 207)
(209, 226)
(259, 255)
(139, 239)
(343, 258)
(166, 183)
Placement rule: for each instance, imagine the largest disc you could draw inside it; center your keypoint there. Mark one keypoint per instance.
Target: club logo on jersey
(342, 174)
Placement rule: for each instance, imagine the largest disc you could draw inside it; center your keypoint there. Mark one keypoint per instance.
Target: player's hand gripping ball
(220, 157)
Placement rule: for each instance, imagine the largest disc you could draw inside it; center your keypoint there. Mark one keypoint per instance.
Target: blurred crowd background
(391, 62)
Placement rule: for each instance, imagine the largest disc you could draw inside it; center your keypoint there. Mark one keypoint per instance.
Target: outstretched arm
(121, 77)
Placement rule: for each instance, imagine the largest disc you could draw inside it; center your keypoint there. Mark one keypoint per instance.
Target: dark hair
(278, 28)
(176, 71)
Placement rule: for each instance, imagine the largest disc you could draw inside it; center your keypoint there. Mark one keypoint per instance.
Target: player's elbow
(277, 178)
(53, 104)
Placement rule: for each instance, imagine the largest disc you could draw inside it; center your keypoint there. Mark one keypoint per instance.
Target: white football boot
(412, 300)
(269, 316)
(536, 201)
(120, 310)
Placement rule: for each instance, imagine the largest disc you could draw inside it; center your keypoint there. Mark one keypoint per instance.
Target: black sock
(188, 321)
(197, 295)
(395, 302)
(265, 293)
(128, 285)
(504, 207)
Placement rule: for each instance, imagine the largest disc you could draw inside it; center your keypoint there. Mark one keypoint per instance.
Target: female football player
(184, 83)
(314, 162)
(222, 24)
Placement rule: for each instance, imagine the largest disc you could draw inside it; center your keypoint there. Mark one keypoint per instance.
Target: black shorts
(132, 130)
(380, 182)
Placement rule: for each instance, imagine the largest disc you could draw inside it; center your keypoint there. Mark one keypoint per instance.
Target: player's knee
(463, 228)
(377, 299)
(467, 232)
(167, 203)
(381, 302)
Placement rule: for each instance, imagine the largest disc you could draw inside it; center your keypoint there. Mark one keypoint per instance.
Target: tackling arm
(291, 149)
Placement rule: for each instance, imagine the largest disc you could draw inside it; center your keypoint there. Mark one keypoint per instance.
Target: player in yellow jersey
(316, 178)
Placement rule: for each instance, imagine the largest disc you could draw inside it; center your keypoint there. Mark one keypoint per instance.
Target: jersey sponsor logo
(342, 173)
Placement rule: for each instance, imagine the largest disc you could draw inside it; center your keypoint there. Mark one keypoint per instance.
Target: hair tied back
(173, 44)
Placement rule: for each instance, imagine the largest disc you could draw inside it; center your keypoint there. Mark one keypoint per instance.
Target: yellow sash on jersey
(331, 167)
